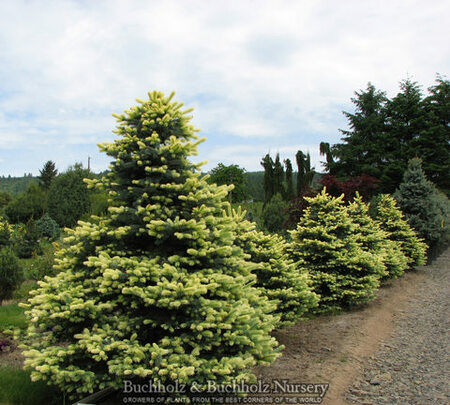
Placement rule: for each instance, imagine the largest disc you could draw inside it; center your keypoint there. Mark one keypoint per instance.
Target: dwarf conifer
(277, 275)
(326, 242)
(386, 212)
(373, 239)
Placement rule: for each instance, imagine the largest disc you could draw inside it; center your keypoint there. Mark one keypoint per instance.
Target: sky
(262, 76)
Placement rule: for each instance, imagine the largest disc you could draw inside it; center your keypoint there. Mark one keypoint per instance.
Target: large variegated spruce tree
(156, 289)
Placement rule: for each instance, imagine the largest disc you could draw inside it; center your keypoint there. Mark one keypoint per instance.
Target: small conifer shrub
(155, 289)
(376, 241)
(326, 242)
(426, 210)
(48, 227)
(390, 218)
(277, 276)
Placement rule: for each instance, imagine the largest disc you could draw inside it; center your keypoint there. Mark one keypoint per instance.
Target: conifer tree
(268, 164)
(277, 275)
(278, 176)
(156, 289)
(289, 184)
(47, 174)
(386, 212)
(418, 199)
(305, 173)
(363, 148)
(326, 242)
(433, 145)
(376, 241)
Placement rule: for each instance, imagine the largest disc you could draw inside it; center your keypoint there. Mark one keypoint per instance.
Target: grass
(16, 388)
(12, 316)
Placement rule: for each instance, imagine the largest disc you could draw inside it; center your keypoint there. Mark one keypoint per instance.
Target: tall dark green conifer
(289, 181)
(363, 149)
(278, 176)
(47, 174)
(267, 164)
(433, 145)
(305, 174)
(406, 120)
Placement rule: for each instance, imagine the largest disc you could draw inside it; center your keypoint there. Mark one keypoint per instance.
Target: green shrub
(327, 243)
(156, 289)
(68, 197)
(277, 276)
(390, 218)
(274, 215)
(27, 206)
(5, 233)
(5, 199)
(25, 240)
(11, 274)
(48, 227)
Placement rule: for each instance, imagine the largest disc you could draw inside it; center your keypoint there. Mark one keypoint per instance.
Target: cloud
(270, 72)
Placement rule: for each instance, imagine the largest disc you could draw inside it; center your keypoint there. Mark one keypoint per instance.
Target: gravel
(412, 366)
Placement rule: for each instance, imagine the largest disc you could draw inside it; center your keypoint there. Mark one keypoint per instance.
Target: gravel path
(413, 365)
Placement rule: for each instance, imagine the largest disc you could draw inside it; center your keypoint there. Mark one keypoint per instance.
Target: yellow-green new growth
(327, 244)
(277, 276)
(391, 220)
(373, 239)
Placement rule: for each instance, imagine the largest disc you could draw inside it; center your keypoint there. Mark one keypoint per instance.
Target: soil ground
(336, 349)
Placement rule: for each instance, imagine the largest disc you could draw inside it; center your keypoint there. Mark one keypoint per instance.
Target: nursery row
(172, 285)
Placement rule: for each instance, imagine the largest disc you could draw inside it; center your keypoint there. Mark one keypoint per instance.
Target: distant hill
(16, 185)
(254, 183)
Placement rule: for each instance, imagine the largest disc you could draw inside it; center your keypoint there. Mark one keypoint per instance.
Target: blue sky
(262, 75)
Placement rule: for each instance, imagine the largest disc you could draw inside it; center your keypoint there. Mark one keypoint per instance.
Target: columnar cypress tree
(267, 163)
(156, 289)
(277, 275)
(373, 239)
(289, 185)
(386, 212)
(278, 176)
(326, 242)
(305, 174)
